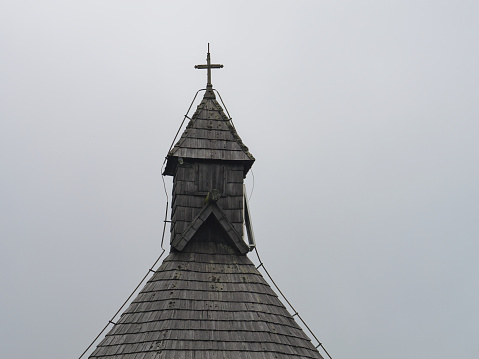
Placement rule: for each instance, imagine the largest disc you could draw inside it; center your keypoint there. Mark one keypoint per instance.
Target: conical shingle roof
(209, 135)
(206, 302)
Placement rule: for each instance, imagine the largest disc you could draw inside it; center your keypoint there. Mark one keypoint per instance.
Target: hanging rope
(296, 314)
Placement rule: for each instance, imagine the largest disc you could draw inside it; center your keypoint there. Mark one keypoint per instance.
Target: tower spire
(208, 67)
(207, 299)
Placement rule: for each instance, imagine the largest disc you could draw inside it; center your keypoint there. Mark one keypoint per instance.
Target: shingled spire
(209, 156)
(207, 300)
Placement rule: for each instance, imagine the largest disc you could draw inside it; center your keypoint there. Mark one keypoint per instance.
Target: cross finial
(208, 66)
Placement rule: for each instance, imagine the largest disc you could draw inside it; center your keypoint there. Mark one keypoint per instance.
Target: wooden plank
(239, 228)
(211, 124)
(211, 134)
(185, 200)
(234, 215)
(235, 174)
(169, 275)
(185, 172)
(210, 176)
(185, 213)
(203, 143)
(226, 155)
(231, 202)
(183, 187)
(234, 189)
(184, 284)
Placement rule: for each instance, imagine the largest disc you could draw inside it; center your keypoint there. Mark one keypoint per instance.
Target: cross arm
(212, 66)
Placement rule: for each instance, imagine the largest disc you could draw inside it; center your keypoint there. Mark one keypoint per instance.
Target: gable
(211, 238)
(222, 224)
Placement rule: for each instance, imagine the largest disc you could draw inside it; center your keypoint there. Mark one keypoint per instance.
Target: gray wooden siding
(191, 184)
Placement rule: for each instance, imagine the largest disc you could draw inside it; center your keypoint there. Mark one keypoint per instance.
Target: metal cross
(209, 66)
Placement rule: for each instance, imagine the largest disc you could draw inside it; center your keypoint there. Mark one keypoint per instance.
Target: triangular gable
(211, 209)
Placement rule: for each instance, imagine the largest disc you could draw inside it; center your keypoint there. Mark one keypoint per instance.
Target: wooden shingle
(207, 300)
(210, 135)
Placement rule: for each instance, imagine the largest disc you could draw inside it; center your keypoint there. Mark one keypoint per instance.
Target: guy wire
(287, 301)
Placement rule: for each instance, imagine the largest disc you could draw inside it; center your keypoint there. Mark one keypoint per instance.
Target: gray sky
(363, 119)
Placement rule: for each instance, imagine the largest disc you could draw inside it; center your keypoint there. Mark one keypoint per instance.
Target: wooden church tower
(207, 300)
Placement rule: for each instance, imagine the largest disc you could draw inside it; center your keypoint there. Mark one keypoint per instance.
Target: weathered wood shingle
(210, 135)
(207, 301)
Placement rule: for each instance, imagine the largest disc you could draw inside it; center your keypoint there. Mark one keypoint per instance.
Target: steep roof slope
(206, 302)
(209, 135)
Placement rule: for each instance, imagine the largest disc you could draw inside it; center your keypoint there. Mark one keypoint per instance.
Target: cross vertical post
(208, 67)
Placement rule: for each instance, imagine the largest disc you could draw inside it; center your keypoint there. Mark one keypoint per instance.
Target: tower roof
(210, 135)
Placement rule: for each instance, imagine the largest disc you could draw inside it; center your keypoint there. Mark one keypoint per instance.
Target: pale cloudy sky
(363, 118)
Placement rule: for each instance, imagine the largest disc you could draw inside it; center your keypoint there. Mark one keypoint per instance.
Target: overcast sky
(362, 116)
